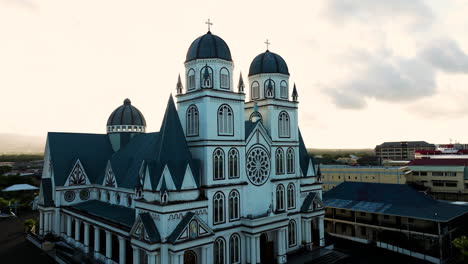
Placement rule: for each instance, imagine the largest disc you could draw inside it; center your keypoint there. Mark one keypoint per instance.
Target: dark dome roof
(268, 62)
(208, 46)
(126, 114)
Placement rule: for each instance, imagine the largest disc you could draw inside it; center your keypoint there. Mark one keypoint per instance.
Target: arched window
(219, 251)
(117, 198)
(283, 124)
(269, 86)
(191, 79)
(255, 91)
(234, 249)
(224, 78)
(257, 115)
(108, 196)
(290, 161)
(129, 200)
(234, 205)
(233, 163)
(225, 121)
(206, 77)
(284, 90)
(218, 164)
(279, 161)
(291, 196)
(192, 121)
(292, 233)
(280, 197)
(218, 208)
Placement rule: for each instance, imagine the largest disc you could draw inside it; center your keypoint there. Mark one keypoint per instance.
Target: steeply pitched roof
(180, 227)
(390, 199)
(150, 228)
(113, 213)
(308, 201)
(249, 127)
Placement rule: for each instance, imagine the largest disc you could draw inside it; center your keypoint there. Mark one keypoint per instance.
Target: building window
(291, 196)
(129, 200)
(269, 86)
(451, 174)
(280, 197)
(279, 164)
(225, 121)
(224, 78)
(255, 90)
(219, 249)
(117, 198)
(192, 121)
(234, 249)
(437, 173)
(218, 164)
(284, 90)
(191, 79)
(233, 163)
(290, 161)
(283, 125)
(292, 233)
(218, 208)
(206, 77)
(423, 173)
(451, 184)
(234, 203)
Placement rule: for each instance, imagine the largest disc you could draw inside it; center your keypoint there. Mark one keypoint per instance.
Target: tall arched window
(284, 90)
(279, 164)
(234, 249)
(218, 164)
(283, 124)
(280, 197)
(206, 77)
(269, 86)
(225, 121)
(292, 233)
(291, 196)
(219, 251)
(290, 161)
(191, 79)
(192, 121)
(234, 205)
(233, 163)
(224, 78)
(218, 208)
(255, 93)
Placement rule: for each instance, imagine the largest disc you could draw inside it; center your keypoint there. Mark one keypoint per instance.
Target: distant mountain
(16, 143)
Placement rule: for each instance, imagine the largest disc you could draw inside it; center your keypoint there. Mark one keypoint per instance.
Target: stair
(329, 258)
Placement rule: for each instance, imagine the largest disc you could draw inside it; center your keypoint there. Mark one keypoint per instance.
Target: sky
(367, 71)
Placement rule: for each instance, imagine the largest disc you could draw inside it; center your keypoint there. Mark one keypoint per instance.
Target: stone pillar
(181, 258)
(97, 241)
(121, 250)
(136, 255)
(253, 250)
(86, 237)
(69, 228)
(77, 232)
(308, 234)
(322, 231)
(165, 254)
(247, 248)
(257, 245)
(281, 237)
(152, 258)
(108, 245)
(41, 223)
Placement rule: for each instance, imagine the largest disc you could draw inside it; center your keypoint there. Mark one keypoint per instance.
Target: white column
(164, 254)
(49, 222)
(257, 245)
(41, 223)
(46, 223)
(69, 228)
(77, 232)
(108, 245)
(97, 242)
(174, 258)
(121, 250)
(207, 254)
(86, 237)
(308, 234)
(136, 255)
(152, 258)
(253, 250)
(247, 248)
(181, 258)
(281, 237)
(322, 231)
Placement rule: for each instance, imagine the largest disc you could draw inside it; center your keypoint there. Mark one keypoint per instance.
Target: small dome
(126, 114)
(268, 62)
(208, 46)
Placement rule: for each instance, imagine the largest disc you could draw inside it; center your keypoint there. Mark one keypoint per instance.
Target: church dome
(268, 62)
(126, 118)
(208, 46)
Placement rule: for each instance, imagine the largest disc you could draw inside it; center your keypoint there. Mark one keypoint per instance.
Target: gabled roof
(390, 199)
(183, 225)
(114, 213)
(150, 228)
(409, 144)
(308, 201)
(249, 127)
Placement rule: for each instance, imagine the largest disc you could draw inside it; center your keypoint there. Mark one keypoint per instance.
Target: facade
(401, 150)
(395, 217)
(445, 179)
(333, 175)
(225, 180)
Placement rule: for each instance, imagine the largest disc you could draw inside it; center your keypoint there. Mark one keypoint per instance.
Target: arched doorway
(190, 257)
(267, 252)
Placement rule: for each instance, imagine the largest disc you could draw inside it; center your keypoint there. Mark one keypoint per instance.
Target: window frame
(252, 90)
(237, 250)
(279, 154)
(284, 125)
(218, 153)
(194, 117)
(280, 201)
(233, 165)
(290, 161)
(211, 79)
(217, 250)
(235, 209)
(292, 233)
(291, 196)
(228, 87)
(284, 93)
(225, 116)
(191, 73)
(219, 212)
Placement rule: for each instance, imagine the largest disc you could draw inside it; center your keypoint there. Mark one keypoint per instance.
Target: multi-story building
(401, 150)
(332, 175)
(395, 217)
(445, 179)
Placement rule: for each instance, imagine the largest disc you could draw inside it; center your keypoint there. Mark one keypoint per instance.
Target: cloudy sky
(367, 71)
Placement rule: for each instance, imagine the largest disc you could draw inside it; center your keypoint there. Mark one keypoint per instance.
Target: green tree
(461, 243)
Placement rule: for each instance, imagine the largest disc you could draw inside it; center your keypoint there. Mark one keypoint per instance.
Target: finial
(267, 43)
(179, 86)
(209, 24)
(127, 102)
(241, 85)
(294, 93)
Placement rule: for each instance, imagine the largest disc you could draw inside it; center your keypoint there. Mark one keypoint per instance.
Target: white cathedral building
(226, 179)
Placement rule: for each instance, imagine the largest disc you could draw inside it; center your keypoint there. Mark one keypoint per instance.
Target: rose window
(258, 166)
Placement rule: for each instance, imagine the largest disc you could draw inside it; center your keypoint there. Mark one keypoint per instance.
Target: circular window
(84, 195)
(69, 196)
(258, 166)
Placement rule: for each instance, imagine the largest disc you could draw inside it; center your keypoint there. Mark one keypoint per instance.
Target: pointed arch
(279, 161)
(233, 163)
(269, 88)
(284, 90)
(224, 79)
(291, 194)
(77, 175)
(225, 121)
(218, 208)
(234, 205)
(280, 197)
(234, 249)
(290, 161)
(206, 77)
(191, 79)
(219, 253)
(255, 91)
(284, 125)
(192, 121)
(292, 237)
(218, 164)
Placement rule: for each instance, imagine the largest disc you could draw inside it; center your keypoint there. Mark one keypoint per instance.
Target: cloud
(447, 56)
(25, 4)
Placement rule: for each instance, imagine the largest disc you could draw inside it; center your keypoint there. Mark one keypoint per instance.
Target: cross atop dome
(209, 24)
(267, 43)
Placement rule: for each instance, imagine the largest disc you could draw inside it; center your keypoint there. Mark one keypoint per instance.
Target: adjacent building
(395, 217)
(401, 150)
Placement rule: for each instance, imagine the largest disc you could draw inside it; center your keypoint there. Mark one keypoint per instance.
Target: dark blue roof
(268, 62)
(110, 212)
(208, 46)
(308, 201)
(390, 199)
(303, 156)
(150, 228)
(126, 114)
